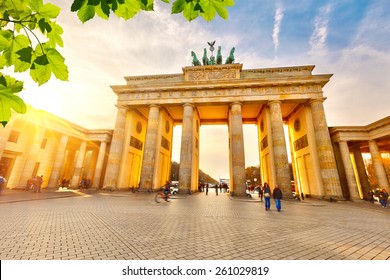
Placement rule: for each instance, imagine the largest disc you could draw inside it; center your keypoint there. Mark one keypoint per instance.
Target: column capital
(235, 103)
(318, 99)
(270, 102)
(154, 106)
(188, 105)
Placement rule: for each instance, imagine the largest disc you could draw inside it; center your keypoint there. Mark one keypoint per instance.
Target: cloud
(320, 33)
(279, 13)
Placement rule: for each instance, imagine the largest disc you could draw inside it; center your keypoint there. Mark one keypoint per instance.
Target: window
(13, 136)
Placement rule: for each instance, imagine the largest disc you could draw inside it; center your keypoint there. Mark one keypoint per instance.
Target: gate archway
(149, 106)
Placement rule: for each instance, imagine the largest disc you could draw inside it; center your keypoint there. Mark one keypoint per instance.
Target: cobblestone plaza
(127, 226)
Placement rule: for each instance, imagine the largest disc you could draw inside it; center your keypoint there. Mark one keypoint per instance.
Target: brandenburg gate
(149, 107)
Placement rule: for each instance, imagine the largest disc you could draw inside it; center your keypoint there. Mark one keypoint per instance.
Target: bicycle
(160, 196)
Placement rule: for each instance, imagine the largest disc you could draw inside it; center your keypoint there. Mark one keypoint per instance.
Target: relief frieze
(228, 92)
(212, 75)
(136, 143)
(301, 143)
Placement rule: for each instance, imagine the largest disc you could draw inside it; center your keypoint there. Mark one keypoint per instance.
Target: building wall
(31, 157)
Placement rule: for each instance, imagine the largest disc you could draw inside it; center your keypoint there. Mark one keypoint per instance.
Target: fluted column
(378, 165)
(151, 142)
(361, 169)
(116, 150)
(351, 180)
(186, 149)
(99, 165)
(329, 173)
(237, 149)
(79, 164)
(32, 156)
(59, 161)
(282, 171)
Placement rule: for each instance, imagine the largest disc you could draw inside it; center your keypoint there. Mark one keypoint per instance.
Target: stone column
(378, 165)
(99, 165)
(151, 142)
(32, 157)
(329, 174)
(186, 150)
(237, 151)
(351, 180)
(79, 164)
(58, 162)
(116, 150)
(361, 169)
(282, 170)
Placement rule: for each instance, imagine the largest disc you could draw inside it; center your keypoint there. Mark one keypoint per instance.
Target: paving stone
(113, 226)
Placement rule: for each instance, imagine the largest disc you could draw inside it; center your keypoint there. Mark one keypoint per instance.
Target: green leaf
(3, 62)
(25, 54)
(189, 13)
(8, 100)
(165, 1)
(12, 58)
(209, 9)
(49, 11)
(178, 6)
(146, 5)
(94, 2)
(41, 60)
(9, 85)
(55, 35)
(222, 12)
(5, 39)
(103, 10)
(44, 26)
(40, 73)
(86, 12)
(77, 4)
(57, 64)
(128, 10)
(36, 5)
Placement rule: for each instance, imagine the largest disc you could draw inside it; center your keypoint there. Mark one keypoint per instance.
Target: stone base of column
(187, 191)
(109, 188)
(334, 198)
(144, 190)
(240, 195)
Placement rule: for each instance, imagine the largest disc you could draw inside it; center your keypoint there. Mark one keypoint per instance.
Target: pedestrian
(2, 182)
(261, 192)
(39, 183)
(371, 196)
(278, 195)
(29, 185)
(207, 188)
(82, 184)
(87, 184)
(383, 197)
(216, 189)
(267, 196)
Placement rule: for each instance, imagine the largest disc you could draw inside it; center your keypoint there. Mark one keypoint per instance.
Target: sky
(347, 38)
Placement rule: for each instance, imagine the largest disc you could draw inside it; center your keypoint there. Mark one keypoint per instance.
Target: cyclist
(167, 190)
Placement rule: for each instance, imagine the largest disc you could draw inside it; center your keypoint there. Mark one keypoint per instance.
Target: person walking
(278, 195)
(261, 193)
(2, 183)
(383, 197)
(39, 183)
(207, 188)
(267, 196)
